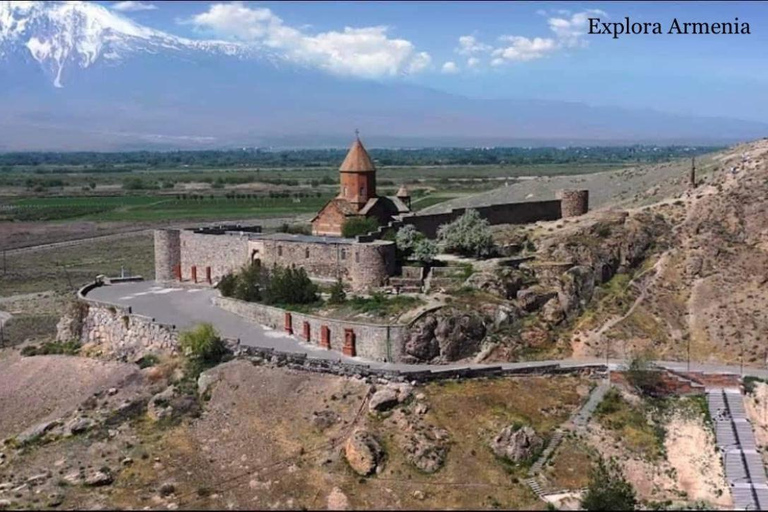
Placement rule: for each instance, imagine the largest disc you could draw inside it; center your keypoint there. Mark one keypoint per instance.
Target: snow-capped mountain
(121, 85)
(62, 34)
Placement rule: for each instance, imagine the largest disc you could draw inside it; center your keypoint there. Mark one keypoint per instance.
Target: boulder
(516, 444)
(421, 343)
(533, 298)
(99, 478)
(426, 449)
(159, 406)
(36, 432)
(324, 419)
(205, 382)
(552, 312)
(445, 335)
(383, 400)
(363, 453)
(78, 425)
(503, 283)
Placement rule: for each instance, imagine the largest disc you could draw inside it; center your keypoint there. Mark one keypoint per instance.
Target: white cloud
(365, 52)
(131, 6)
(473, 62)
(525, 49)
(469, 45)
(450, 68)
(568, 31)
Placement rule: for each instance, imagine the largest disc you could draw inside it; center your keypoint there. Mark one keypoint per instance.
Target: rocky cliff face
(520, 305)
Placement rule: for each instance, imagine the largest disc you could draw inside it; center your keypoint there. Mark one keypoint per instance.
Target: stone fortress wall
(375, 342)
(205, 256)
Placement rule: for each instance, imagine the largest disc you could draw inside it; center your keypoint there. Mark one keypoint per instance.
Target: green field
(155, 208)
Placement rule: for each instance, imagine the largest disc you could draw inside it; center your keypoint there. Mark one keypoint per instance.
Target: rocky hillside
(711, 291)
(673, 271)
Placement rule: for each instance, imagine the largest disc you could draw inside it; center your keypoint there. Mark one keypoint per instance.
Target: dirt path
(595, 337)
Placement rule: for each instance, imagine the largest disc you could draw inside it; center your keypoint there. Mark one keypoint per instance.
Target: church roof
(357, 159)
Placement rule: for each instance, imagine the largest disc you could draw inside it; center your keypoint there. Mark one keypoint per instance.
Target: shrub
(469, 235)
(289, 286)
(67, 348)
(406, 238)
(425, 250)
(338, 295)
(642, 374)
(202, 343)
(608, 489)
(355, 226)
(250, 283)
(227, 285)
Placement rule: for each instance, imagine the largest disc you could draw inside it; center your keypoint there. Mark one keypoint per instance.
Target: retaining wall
(375, 342)
(118, 331)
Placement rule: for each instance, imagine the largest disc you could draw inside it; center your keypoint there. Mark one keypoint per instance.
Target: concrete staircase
(743, 464)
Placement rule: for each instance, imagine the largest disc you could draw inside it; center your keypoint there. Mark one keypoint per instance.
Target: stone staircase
(577, 420)
(743, 464)
(443, 278)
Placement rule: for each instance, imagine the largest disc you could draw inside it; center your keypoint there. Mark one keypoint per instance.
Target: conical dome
(357, 159)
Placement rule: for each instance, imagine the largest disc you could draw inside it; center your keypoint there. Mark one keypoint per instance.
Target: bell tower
(357, 176)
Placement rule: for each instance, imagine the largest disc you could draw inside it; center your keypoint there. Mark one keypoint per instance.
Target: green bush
(608, 489)
(250, 283)
(227, 285)
(338, 295)
(411, 243)
(289, 286)
(202, 343)
(355, 226)
(48, 348)
(469, 235)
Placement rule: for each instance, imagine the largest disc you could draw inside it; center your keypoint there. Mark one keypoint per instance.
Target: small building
(357, 196)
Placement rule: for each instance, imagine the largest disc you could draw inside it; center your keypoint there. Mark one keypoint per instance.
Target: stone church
(357, 196)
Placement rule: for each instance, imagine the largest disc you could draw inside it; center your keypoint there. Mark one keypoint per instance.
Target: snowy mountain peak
(58, 34)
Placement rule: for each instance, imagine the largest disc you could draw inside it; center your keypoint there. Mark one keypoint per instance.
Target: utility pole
(5, 268)
(689, 353)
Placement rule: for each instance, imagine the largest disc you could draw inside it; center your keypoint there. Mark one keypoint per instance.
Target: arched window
(362, 191)
(279, 250)
(306, 252)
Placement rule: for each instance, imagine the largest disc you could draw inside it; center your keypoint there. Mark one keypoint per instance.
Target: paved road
(185, 307)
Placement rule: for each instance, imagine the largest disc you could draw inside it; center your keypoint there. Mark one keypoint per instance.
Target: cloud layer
(567, 31)
(365, 52)
(131, 6)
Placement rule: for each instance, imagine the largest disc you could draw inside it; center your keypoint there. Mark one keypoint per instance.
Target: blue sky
(515, 50)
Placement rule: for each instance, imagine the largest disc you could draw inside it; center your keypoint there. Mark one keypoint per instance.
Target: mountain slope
(77, 75)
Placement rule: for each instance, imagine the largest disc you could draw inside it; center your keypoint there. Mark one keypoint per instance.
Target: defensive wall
(128, 336)
(205, 256)
(570, 203)
(376, 342)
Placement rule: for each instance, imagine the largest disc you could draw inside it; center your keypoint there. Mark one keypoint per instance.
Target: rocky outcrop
(504, 283)
(445, 335)
(389, 396)
(516, 444)
(364, 453)
(426, 448)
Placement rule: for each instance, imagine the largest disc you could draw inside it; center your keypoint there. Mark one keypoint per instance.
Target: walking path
(186, 307)
(577, 421)
(743, 465)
